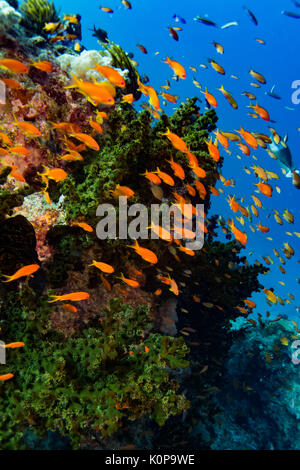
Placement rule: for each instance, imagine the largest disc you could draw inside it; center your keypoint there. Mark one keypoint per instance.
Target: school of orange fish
(104, 93)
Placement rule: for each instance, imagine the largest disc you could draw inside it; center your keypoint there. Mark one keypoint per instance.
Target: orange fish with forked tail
(14, 66)
(23, 272)
(146, 254)
(74, 296)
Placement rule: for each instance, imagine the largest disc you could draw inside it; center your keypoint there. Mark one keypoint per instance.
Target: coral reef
(122, 355)
(36, 13)
(92, 383)
(9, 17)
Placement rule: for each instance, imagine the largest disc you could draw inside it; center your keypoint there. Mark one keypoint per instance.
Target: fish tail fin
(75, 82)
(55, 298)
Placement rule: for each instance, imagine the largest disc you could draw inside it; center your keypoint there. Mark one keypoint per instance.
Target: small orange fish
(147, 349)
(74, 296)
(14, 345)
(265, 189)
(14, 66)
(22, 272)
(5, 377)
(43, 65)
(122, 191)
(210, 98)
(130, 282)
(111, 74)
(128, 98)
(262, 228)
(12, 84)
(262, 112)
(177, 68)
(142, 48)
(56, 174)
(19, 150)
(105, 268)
(96, 126)
(165, 177)
(249, 138)
(87, 140)
(240, 236)
(146, 254)
(28, 128)
(177, 168)
(213, 150)
(106, 9)
(84, 226)
(152, 177)
(176, 141)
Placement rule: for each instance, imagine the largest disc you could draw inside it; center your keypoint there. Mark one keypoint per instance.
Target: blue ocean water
(147, 24)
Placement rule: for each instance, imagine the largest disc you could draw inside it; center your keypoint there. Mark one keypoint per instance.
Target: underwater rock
(9, 17)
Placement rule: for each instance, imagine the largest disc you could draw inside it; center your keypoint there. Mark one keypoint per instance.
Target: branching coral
(38, 12)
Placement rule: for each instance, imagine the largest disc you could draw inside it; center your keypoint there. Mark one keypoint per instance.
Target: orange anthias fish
(178, 170)
(111, 74)
(128, 98)
(250, 303)
(105, 268)
(169, 97)
(176, 141)
(265, 189)
(14, 345)
(107, 9)
(28, 128)
(122, 191)
(25, 271)
(249, 138)
(146, 254)
(262, 228)
(84, 226)
(213, 150)
(177, 68)
(130, 282)
(262, 112)
(234, 205)
(87, 140)
(96, 126)
(56, 174)
(222, 139)
(12, 84)
(152, 177)
(98, 93)
(239, 235)
(5, 377)
(210, 98)
(153, 98)
(165, 177)
(43, 65)
(14, 66)
(74, 296)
